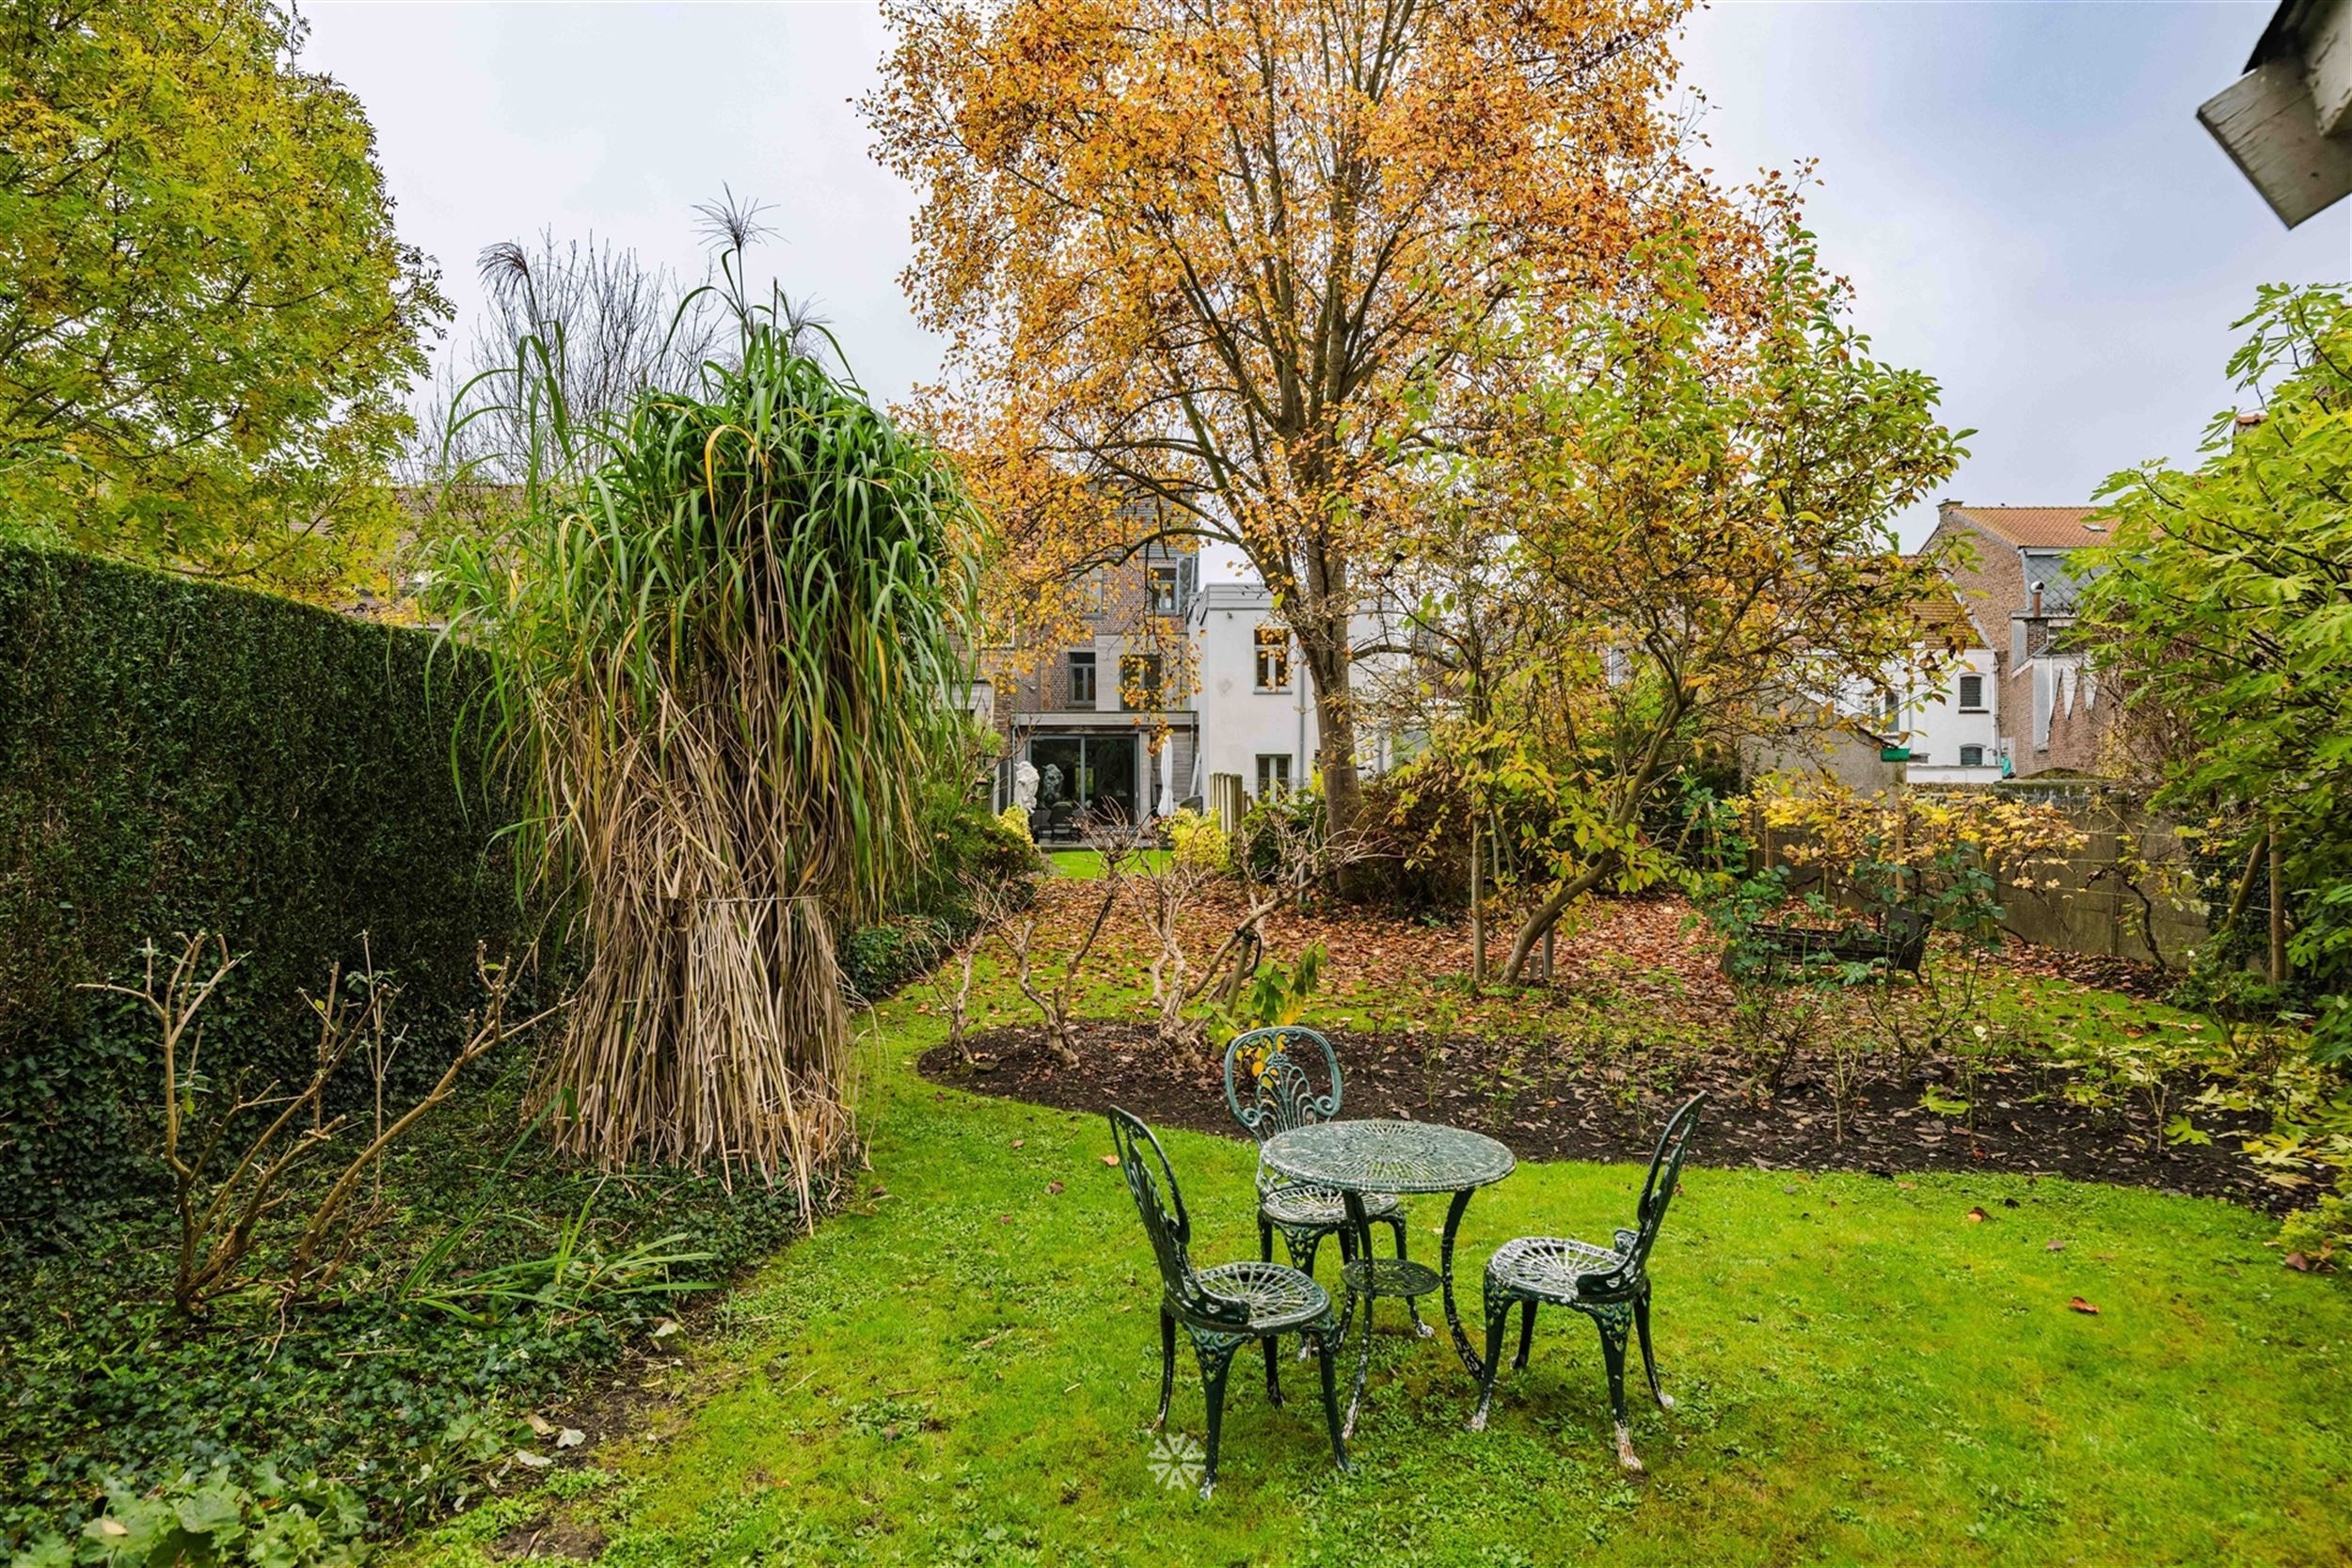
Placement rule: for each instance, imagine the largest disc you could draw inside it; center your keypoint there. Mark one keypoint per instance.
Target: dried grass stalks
(725, 665)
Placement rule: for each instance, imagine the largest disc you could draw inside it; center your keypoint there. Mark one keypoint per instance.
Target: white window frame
(1275, 642)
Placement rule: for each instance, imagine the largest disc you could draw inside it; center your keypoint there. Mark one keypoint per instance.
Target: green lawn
(959, 1370)
(1086, 865)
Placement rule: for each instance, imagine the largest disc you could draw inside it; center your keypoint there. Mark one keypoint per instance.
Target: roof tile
(2037, 528)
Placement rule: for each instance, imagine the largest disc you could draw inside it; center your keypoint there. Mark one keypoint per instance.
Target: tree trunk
(1478, 916)
(1322, 639)
(1545, 915)
(2277, 908)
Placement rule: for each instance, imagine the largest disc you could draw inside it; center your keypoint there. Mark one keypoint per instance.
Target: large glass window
(1082, 678)
(1082, 780)
(1274, 774)
(1274, 660)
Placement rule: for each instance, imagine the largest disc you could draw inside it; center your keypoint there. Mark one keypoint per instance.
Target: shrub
(976, 846)
(971, 849)
(1274, 996)
(1199, 840)
(178, 756)
(1272, 831)
(877, 959)
(1942, 855)
(1016, 823)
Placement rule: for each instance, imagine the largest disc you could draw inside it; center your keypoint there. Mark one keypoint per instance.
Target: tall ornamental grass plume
(726, 634)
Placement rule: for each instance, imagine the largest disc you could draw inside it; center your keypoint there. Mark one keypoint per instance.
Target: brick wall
(1993, 588)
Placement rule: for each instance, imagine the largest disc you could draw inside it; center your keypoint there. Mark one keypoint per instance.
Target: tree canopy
(207, 321)
(1699, 517)
(1225, 259)
(2225, 605)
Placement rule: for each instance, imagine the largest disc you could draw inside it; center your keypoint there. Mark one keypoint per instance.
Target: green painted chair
(1280, 1095)
(1609, 1285)
(1221, 1309)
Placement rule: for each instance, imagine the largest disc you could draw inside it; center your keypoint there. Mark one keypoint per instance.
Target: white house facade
(1253, 702)
(1952, 726)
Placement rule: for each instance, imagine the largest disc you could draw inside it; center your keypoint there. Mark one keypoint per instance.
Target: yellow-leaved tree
(1217, 267)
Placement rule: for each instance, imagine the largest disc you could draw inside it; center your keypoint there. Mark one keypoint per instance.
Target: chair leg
(1649, 1358)
(1527, 1334)
(1273, 1382)
(1331, 1399)
(1363, 1367)
(1215, 1364)
(1167, 1366)
(1498, 1315)
(1412, 1307)
(1265, 1239)
(1612, 1326)
(1347, 1307)
(1303, 1249)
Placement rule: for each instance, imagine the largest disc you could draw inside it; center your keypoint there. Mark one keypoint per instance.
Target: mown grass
(1086, 865)
(959, 1370)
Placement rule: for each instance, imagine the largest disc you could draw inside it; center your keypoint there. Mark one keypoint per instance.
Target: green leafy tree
(207, 321)
(2225, 609)
(1700, 515)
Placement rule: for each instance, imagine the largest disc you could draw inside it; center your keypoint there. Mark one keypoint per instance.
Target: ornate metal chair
(1280, 1096)
(1221, 1309)
(1609, 1285)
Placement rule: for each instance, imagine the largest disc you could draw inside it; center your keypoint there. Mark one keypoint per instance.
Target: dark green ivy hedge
(178, 756)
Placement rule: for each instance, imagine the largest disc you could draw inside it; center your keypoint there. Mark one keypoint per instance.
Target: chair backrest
(1267, 1085)
(1658, 1190)
(1153, 1182)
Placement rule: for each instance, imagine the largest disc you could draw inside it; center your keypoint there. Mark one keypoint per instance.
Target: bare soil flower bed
(1575, 1110)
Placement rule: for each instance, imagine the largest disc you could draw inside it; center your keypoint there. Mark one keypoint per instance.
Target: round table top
(1388, 1157)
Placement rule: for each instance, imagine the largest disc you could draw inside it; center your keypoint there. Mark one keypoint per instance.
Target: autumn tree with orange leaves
(1213, 267)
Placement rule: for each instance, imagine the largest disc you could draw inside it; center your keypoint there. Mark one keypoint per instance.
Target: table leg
(1445, 1275)
(1362, 1227)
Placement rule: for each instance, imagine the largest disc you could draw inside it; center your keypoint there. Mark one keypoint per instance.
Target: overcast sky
(2020, 191)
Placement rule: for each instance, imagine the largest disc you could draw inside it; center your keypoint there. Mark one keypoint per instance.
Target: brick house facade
(1103, 714)
(2020, 587)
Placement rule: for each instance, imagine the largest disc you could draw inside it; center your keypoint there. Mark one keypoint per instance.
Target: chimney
(2036, 610)
(1946, 508)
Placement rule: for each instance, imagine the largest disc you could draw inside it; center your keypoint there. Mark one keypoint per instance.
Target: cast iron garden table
(1354, 1158)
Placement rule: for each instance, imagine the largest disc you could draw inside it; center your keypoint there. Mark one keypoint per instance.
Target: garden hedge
(178, 756)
